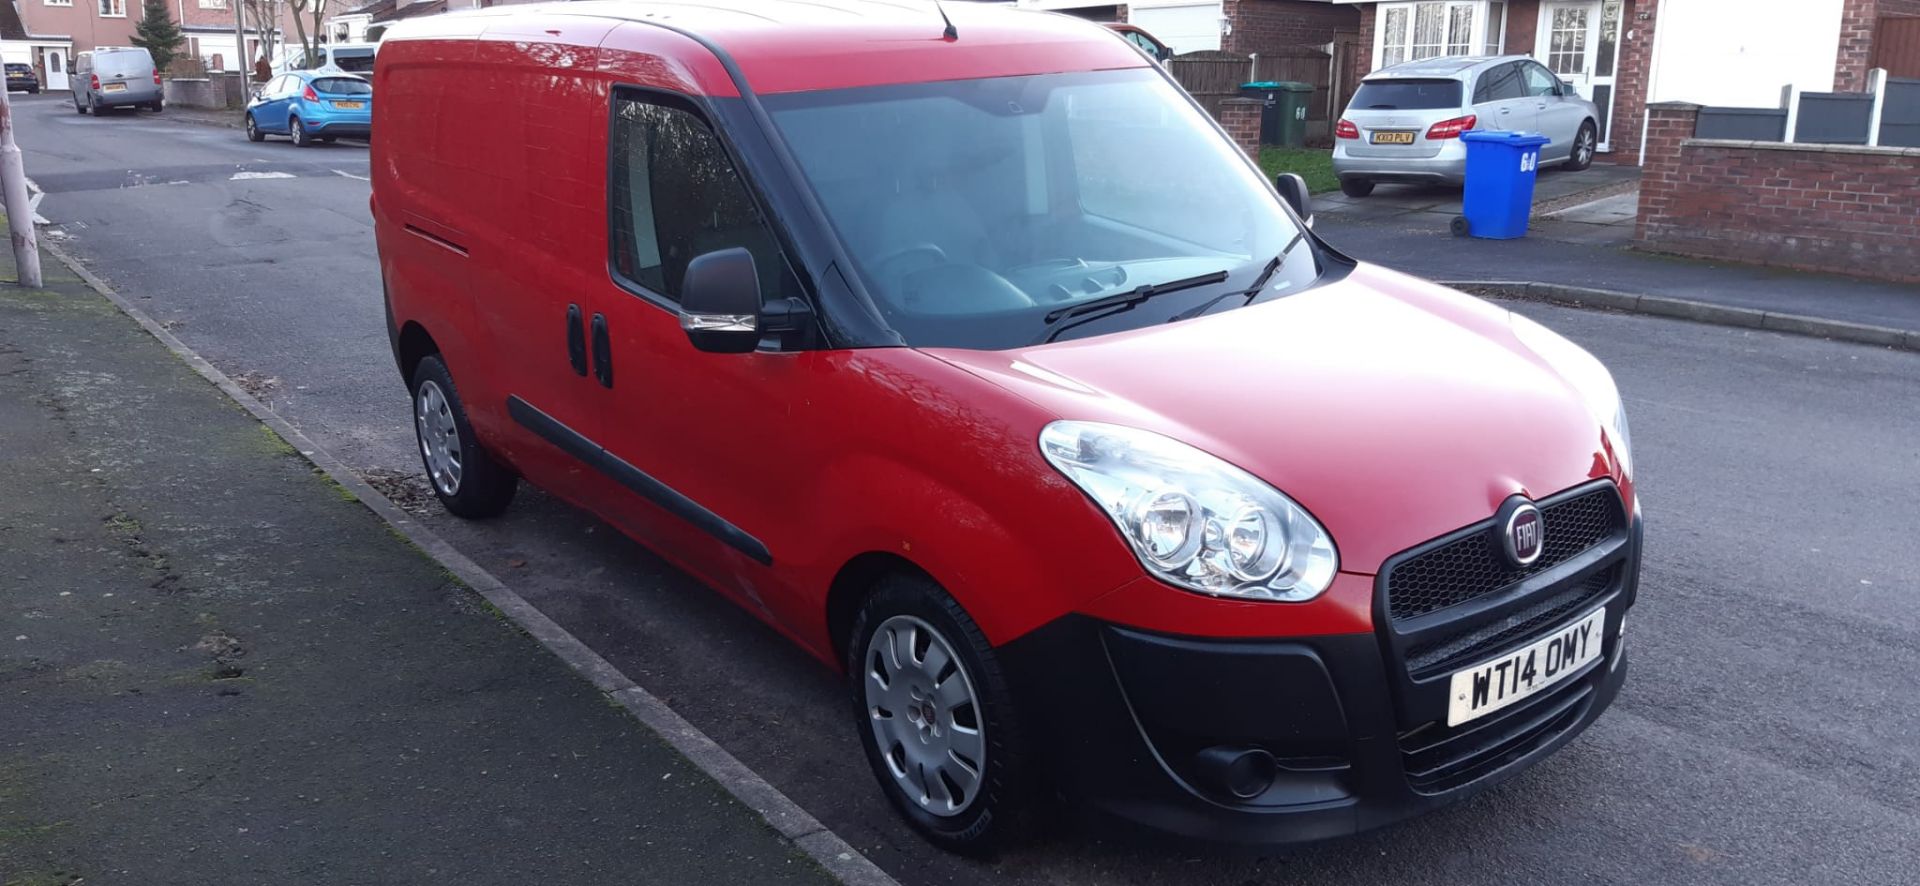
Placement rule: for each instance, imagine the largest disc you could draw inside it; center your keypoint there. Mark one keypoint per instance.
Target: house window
(113, 8)
(59, 2)
(213, 4)
(1567, 49)
(1430, 28)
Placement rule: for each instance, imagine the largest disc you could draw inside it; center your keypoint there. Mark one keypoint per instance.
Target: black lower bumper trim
(1130, 724)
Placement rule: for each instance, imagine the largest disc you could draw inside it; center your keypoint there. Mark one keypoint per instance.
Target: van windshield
(975, 211)
(357, 61)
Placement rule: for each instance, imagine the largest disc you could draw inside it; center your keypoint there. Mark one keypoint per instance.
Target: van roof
(802, 45)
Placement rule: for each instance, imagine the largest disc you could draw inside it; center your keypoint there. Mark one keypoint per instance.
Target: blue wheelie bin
(1499, 194)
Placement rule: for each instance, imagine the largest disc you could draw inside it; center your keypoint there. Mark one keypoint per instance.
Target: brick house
(1623, 53)
(1239, 26)
(53, 31)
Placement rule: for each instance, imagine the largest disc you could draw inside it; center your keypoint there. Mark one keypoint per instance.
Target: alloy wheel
(439, 437)
(925, 715)
(1583, 149)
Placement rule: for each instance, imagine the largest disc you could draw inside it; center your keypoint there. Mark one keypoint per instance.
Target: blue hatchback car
(310, 106)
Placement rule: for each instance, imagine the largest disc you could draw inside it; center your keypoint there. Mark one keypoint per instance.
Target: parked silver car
(116, 77)
(1404, 122)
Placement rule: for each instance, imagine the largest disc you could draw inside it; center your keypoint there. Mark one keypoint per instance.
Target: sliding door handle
(576, 341)
(602, 352)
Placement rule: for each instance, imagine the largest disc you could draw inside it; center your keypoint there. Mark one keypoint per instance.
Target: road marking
(33, 187)
(351, 175)
(799, 827)
(247, 176)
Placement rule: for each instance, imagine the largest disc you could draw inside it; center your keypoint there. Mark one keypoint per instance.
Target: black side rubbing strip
(576, 341)
(437, 240)
(602, 352)
(572, 443)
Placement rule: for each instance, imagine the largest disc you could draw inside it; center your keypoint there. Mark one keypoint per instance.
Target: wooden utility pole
(243, 58)
(13, 182)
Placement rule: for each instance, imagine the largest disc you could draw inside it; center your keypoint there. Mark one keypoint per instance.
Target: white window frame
(1483, 34)
(213, 4)
(104, 4)
(58, 2)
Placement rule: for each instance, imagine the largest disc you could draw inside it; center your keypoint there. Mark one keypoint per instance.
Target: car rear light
(1346, 129)
(309, 94)
(156, 76)
(94, 83)
(1452, 128)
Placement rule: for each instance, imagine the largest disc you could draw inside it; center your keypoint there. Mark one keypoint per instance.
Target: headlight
(1587, 375)
(1194, 520)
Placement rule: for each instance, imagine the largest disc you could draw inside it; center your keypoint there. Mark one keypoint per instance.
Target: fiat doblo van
(973, 357)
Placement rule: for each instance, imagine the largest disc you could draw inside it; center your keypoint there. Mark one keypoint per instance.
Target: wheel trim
(1583, 147)
(439, 438)
(925, 716)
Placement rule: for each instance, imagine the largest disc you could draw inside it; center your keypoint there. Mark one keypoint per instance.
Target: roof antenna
(951, 33)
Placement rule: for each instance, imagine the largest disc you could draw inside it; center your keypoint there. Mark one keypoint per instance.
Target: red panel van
(970, 354)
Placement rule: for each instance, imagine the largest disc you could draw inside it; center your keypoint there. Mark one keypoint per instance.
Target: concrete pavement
(1760, 740)
(216, 667)
(1434, 253)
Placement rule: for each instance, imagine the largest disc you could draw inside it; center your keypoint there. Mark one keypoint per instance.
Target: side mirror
(1293, 189)
(720, 302)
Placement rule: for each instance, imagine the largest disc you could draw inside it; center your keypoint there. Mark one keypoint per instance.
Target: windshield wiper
(1250, 293)
(1108, 305)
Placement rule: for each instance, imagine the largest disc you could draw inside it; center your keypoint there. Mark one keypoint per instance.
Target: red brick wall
(1363, 56)
(1630, 81)
(1523, 22)
(1240, 117)
(1834, 208)
(1268, 25)
(1858, 19)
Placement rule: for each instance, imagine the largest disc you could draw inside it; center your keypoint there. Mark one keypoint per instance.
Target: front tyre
(1585, 144)
(253, 130)
(936, 717)
(468, 482)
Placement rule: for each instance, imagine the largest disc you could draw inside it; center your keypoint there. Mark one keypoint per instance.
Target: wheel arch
(851, 586)
(413, 344)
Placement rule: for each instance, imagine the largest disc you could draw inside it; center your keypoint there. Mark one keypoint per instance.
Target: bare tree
(313, 10)
(266, 17)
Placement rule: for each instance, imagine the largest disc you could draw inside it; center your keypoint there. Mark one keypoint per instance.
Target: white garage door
(1187, 27)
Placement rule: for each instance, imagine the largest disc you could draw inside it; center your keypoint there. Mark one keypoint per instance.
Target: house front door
(54, 62)
(1580, 41)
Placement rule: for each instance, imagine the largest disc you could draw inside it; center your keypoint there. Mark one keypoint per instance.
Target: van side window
(676, 196)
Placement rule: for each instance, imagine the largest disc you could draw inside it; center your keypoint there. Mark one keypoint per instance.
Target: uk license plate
(350, 106)
(1491, 685)
(1398, 137)
(114, 87)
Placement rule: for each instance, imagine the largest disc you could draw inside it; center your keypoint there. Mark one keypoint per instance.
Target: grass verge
(1313, 164)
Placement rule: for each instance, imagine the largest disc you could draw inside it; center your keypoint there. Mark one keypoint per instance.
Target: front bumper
(1135, 726)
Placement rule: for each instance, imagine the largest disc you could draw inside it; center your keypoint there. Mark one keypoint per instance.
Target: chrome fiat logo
(1523, 534)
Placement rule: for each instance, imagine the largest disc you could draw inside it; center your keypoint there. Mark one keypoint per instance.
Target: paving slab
(217, 667)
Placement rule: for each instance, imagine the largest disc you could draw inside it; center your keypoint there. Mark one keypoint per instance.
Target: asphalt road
(1766, 734)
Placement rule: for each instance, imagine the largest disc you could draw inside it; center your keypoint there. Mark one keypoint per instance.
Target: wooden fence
(1212, 77)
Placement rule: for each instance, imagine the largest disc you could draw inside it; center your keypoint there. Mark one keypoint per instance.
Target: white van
(354, 58)
(116, 77)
